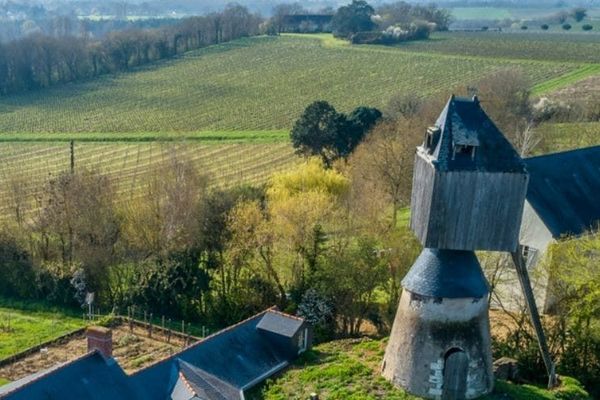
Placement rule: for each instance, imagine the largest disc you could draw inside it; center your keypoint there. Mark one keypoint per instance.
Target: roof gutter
(262, 377)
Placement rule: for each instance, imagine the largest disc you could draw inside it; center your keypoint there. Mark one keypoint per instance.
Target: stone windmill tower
(469, 189)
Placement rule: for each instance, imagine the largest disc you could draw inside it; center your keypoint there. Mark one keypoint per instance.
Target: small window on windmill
(432, 138)
(464, 146)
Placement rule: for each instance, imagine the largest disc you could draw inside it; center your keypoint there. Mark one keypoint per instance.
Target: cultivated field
(263, 83)
(229, 108)
(555, 47)
(226, 162)
(133, 350)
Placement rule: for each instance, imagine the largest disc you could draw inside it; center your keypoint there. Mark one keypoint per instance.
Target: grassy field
(492, 13)
(349, 370)
(260, 83)
(578, 48)
(568, 136)
(22, 327)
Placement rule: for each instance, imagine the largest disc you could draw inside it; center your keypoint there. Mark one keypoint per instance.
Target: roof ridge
(276, 311)
(201, 341)
(563, 152)
(46, 372)
(186, 383)
(193, 367)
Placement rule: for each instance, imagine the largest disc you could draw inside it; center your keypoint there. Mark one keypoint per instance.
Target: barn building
(563, 200)
(469, 188)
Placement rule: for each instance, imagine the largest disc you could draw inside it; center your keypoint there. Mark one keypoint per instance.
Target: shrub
(587, 27)
(566, 27)
(544, 27)
(524, 27)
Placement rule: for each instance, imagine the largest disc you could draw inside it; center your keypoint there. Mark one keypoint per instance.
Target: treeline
(390, 23)
(39, 61)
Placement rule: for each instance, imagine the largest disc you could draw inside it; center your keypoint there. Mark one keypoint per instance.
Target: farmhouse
(220, 367)
(563, 200)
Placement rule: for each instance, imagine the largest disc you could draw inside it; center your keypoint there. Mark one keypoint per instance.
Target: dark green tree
(360, 121)
(579, 13)
(324, 132)
(316, 131)
(353, 18)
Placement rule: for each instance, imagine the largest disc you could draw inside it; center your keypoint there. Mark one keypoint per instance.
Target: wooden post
(521, 266)
(150, 326)
(72, 156)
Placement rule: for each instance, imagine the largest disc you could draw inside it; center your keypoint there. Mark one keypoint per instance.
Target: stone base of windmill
(440, 348)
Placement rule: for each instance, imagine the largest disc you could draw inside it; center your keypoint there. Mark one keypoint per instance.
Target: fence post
(169, 332)
(150, 326)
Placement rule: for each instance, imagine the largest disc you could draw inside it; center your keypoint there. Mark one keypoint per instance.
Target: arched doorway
(456, 366)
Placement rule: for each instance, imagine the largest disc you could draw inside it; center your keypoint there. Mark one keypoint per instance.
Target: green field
(496, 13)
(260, 83)
(350, 369)
(555, 47)
(568, 136)
(229, 108)
(23, 328)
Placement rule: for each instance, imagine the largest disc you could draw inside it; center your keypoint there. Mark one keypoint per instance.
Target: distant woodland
(39, 61)
(59, 49)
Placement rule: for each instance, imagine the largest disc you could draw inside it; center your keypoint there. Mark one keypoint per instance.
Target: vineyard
(260, 83)
(557, 47)
(229, 108)
(226, 164)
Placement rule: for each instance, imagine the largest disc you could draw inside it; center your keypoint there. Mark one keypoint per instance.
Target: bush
(16, 269)
(587, 27)
(544, 27)
(524, 27)
(566, 27)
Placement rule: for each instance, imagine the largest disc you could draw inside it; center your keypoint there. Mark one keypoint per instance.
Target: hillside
(229, 108)
(261, 83)
(349, 370)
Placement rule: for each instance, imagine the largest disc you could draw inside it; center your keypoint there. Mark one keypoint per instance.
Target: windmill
(469, 187)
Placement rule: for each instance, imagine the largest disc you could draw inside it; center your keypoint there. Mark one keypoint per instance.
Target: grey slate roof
(205, 385)
(279, 323)
(90, 377)
(237, 355)
(446, 273)
(216, 368)
(464, 122)
(564, 190)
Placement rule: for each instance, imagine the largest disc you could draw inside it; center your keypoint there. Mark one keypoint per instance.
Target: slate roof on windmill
(464, 125)
(446, 273)
(564, 190)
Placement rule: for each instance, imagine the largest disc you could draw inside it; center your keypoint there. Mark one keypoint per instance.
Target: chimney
(99, 338)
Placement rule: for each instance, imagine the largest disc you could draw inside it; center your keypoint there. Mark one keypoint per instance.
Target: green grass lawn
(4, 381)
(567, 136)
(25, 325)
(253, 84)
(349, 370)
